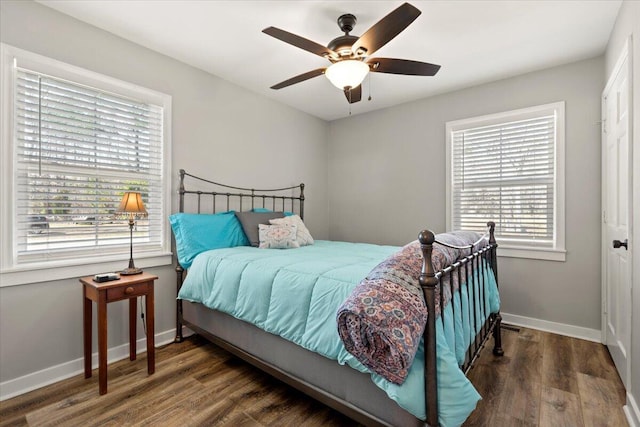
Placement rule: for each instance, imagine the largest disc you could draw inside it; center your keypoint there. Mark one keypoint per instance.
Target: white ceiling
(475, 41)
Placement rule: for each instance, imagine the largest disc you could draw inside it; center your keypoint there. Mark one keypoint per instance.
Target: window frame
(508, 249)
(13, 272)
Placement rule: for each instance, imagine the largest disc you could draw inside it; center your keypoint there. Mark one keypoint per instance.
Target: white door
(616, 198)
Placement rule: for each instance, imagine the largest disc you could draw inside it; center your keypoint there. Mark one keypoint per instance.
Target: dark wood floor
(542, 380)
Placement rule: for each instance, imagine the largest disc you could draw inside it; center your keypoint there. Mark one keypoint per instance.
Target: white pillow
(279, 236)
(303, 236)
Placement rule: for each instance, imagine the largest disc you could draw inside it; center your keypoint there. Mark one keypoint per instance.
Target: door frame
(625, 54)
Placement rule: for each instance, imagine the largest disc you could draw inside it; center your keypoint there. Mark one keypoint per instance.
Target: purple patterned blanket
(382, 321)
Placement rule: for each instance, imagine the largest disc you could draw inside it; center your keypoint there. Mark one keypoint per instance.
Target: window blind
(78, 149)
(505, 172)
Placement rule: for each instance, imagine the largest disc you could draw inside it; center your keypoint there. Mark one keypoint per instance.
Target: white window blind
(73, 142)
(77, 150)
(503, 168)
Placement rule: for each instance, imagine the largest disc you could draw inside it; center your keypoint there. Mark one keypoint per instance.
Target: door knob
(617, 244)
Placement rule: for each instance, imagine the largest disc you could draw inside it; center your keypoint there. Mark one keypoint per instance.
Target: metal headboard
(238, 199)
(242, 198)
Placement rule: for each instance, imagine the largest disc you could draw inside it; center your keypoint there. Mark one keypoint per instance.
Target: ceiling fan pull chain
(369, 99)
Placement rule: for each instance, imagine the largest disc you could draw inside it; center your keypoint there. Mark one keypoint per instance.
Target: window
(509, 168)
(79, 140)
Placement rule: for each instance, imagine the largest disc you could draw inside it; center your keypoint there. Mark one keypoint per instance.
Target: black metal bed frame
(430, 281)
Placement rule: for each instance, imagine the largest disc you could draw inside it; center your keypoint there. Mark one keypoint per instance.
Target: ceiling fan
(350, 55)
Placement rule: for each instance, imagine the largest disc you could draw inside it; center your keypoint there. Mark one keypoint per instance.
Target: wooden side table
(127, 287)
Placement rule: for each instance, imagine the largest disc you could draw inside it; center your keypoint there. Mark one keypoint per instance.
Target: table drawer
(132, 290)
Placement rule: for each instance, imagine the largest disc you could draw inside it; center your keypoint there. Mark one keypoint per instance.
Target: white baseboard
(44, 377)
(632, 411)
(556, 328)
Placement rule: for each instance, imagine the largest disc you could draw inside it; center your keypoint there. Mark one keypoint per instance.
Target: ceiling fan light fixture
(347, 73)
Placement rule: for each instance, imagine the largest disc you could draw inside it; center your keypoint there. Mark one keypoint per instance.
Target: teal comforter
(295, 294)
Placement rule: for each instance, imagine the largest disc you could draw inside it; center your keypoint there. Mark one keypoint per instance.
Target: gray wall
(377, 177)
(387, 182)
(219, 131)
(628, 24)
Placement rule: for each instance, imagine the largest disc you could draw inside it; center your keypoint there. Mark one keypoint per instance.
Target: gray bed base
(321, 378)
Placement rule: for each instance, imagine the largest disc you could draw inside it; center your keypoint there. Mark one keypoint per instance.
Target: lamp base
(130, 271)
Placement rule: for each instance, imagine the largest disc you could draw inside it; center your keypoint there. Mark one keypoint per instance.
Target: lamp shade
(132, 203)
(348, 73)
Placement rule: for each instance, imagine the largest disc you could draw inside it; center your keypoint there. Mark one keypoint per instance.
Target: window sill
(42, 272)
(544, 254)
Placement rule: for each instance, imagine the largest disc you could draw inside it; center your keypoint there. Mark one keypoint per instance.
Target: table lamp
(132, 206)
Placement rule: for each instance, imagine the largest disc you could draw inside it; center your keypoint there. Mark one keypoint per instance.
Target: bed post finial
(492, 229)
(428, 283)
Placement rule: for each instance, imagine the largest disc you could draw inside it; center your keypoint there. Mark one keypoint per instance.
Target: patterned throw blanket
(382, 321)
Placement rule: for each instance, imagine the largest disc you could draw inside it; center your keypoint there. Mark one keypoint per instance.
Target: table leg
(86, 326)
(102, 341)
(132, 327)
(151, 349)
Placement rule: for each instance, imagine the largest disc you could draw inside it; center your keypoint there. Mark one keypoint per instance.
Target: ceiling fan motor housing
(342, 45)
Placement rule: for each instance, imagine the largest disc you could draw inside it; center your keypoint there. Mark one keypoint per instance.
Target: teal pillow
(196, 233)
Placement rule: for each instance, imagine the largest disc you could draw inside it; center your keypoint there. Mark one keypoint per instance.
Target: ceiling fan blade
(353, 95)
(301, 42)
(402, 66)
(300, 78)
(386, 29)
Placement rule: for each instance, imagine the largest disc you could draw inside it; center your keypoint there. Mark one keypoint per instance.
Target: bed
(432, 392)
